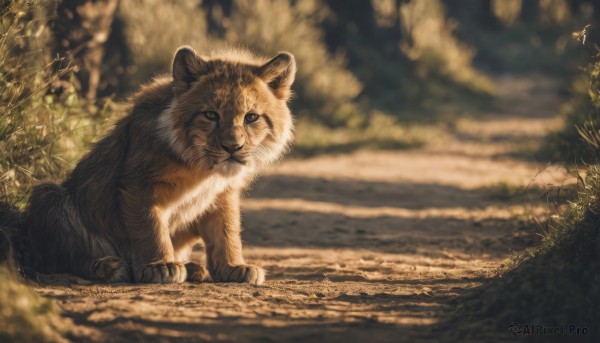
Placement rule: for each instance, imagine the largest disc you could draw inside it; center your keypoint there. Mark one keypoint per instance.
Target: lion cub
(169, 174)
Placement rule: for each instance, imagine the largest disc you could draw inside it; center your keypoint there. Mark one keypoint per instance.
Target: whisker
(189, 148)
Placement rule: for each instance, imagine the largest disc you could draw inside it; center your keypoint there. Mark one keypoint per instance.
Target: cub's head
(229, 113)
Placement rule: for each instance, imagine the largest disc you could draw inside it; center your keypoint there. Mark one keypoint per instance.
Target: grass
(554, 284)
(579, 141)
(567, 143)
(44, 129)
(44, 126)
(505, 191)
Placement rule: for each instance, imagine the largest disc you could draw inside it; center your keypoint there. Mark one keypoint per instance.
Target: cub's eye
(211, 115)
(251, 117)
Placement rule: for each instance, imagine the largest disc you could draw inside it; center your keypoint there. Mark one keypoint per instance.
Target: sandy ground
(361, 247)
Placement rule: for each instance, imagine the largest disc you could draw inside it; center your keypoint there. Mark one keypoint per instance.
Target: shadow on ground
(406, 195)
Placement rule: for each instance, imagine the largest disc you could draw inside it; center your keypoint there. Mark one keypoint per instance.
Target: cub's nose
(231, 148)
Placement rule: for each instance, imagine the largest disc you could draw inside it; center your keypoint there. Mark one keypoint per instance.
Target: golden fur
(169, 174)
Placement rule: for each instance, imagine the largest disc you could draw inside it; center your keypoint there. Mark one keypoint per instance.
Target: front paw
(161, 272)
(110, 269)
(196, 272)
(245, 273)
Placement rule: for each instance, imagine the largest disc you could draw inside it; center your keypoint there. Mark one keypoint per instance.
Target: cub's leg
(153, 257)
(111, 269)
(220, 229)
(183, 242)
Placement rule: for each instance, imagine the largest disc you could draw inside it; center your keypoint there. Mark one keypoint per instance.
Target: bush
(27, 121)
(579, 140)
(325, 89)
(430, 40)
(412, 64)
(44, 126)
(154, 29)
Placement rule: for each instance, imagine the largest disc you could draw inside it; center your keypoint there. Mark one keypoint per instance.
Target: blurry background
(476, 84)
(372, 74)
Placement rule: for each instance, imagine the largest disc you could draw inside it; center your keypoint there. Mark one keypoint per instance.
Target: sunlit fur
(168, 175)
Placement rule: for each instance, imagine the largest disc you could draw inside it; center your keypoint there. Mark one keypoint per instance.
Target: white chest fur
(197, 200)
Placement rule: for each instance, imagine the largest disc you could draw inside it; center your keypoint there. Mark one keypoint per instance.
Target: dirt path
(363, 247)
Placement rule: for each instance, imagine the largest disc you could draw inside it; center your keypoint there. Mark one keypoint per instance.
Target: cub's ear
(187, 68)
(279, 74)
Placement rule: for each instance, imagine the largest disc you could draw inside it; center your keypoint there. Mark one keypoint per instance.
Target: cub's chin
(230, 167)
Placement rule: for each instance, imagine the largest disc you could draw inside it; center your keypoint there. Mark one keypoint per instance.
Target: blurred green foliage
(354, 67)
(25, 316)
(578, 142)
(324, 87)
(409, 64)
(557, 282)
(372, 74)
(42, 133)
(44, 129)
(26, 118)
